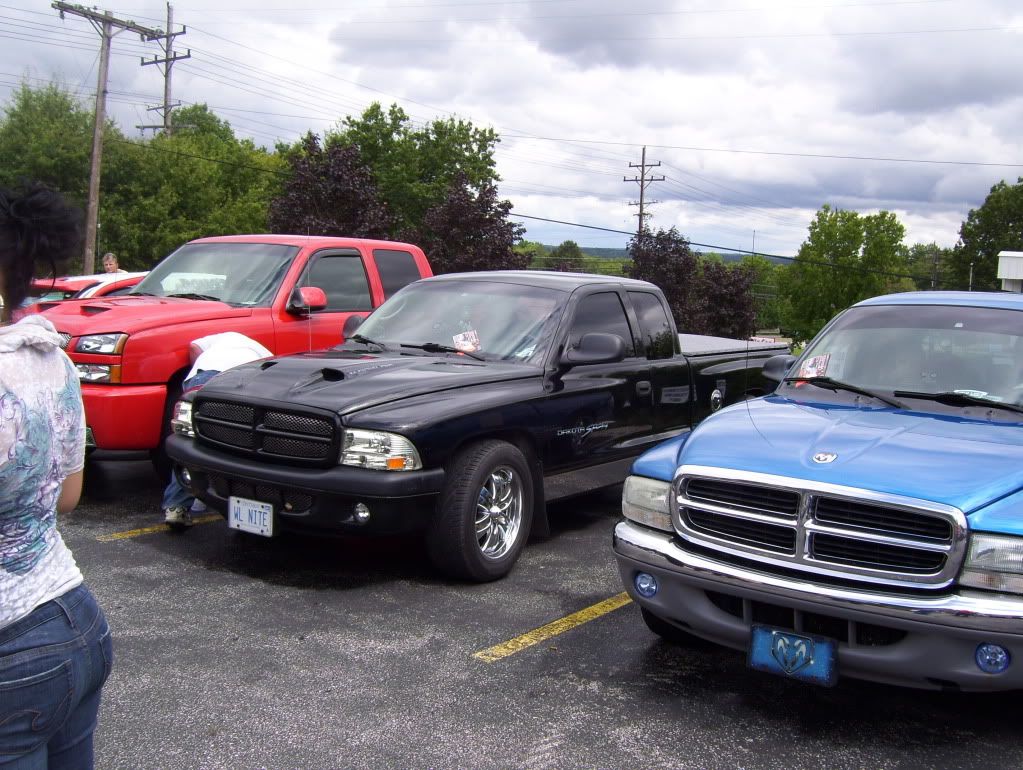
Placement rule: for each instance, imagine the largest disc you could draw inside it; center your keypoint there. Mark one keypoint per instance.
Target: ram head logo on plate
(823, 458)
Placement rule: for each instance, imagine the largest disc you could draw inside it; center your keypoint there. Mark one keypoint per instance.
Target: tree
(535, 251)
(929, 264)
(566, 257)
(765, 290)
(469, 230)
(200, 180)
(665, 260)
(46, 136)
(414, 168)
(846, 257)
(996, 226)
(330, 192)
(729, 307)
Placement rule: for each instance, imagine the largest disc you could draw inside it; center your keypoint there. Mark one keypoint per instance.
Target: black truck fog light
(361, 513)
(646, 585)
(992, 658)
(185, 477)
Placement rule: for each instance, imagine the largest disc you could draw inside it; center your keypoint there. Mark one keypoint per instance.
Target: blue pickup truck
(863, 520)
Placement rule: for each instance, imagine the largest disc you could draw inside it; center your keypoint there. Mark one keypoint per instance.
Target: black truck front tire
(484, 512)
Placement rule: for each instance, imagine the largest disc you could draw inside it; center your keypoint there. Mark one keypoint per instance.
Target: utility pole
(107, 26)
(643, 181)
(169, 57)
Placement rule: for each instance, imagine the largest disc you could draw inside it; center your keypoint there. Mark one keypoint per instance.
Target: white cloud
(758, 112)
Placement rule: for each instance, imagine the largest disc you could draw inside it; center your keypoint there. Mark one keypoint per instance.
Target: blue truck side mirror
(776, 367)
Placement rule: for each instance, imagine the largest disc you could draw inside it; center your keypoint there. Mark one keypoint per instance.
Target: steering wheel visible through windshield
(484, 319)
(246, 274)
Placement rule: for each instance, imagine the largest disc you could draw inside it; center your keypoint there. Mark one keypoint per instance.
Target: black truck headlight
(645, 501)
(181, 419)
(994, 562)
(379, 451)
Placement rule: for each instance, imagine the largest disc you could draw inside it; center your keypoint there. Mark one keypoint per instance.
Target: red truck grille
(825, 529)
(280, 434)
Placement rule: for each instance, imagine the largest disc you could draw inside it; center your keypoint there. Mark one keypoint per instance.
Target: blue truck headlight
(994, 562)
(181, 419)
(645, 501)
(379, 451)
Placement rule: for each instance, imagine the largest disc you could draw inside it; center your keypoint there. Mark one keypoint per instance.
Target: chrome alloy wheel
(499, 512)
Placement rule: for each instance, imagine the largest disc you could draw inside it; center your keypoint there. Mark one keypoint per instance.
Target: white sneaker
(177, 517)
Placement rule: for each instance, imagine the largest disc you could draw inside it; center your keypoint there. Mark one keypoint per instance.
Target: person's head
(110, 262)
(36, 226)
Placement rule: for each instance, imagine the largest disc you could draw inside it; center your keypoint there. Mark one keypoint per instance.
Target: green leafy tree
(46, 136)
(996, 226)
(929, 264)
(469, 230)
(566, 257)
(535, 251)
(765, 290)
(200, 180)
(330, 192)
(846, 257)
(414, 168)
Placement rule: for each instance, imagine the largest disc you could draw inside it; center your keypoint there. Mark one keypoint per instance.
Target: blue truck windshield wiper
(831, 384)
(958, 398)
(436, 347)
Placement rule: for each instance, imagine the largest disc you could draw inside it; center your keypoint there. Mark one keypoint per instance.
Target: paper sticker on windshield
(817, 366)
(469, 341)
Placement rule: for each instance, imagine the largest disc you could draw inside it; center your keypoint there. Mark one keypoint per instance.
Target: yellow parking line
(552, 629)
(155, 528)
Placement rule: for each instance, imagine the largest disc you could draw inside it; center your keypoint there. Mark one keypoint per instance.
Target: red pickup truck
(291, 293)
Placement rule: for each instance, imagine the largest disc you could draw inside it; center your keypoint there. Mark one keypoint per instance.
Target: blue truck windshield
(974, 351)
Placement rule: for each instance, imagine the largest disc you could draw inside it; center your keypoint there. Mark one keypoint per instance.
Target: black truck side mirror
(595, 348)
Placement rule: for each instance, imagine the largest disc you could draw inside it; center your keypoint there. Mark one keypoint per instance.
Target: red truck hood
(135, 314)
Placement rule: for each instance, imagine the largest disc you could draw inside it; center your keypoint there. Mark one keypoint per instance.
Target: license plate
(250, 516)
(796, 656)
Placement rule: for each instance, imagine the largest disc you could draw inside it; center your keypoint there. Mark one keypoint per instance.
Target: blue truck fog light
(646, 585)
(992, 658)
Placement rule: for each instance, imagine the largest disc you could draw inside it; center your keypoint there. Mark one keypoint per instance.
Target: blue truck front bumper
(925, 641)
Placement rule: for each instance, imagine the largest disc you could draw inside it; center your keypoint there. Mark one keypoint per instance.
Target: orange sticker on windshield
(817, 366)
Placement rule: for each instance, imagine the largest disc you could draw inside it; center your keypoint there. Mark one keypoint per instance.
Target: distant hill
(619, 254)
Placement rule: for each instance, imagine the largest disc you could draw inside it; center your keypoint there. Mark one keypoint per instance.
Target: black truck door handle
(643, 388)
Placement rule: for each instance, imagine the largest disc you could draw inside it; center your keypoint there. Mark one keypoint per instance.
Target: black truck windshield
(914, 352)
(246, 274)
(483, 319)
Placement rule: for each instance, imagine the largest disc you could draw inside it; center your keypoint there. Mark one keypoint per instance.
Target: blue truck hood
(967, 463)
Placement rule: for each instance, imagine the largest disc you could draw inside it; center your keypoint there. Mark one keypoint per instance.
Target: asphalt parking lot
(235, 652)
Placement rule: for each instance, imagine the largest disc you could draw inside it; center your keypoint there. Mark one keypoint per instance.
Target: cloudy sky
(754, 112)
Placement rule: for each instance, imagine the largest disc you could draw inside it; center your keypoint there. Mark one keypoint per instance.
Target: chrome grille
(825, 529)
(301, 437)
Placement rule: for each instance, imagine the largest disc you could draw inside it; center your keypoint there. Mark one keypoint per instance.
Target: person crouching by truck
(210, 356)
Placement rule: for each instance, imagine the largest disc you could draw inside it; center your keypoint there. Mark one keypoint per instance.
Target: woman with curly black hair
(55, 647)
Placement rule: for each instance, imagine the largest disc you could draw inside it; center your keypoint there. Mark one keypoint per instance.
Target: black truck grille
(298, 437)
(833, 531)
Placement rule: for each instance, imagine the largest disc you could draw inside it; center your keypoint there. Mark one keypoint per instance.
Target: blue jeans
(53, 664)
(175, 495)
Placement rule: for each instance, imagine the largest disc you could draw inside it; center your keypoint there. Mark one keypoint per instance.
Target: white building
(1010, 270)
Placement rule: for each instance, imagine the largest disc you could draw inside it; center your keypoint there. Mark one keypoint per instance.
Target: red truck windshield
(246, 274)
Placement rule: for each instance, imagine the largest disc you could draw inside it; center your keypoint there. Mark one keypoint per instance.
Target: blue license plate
(796, 656)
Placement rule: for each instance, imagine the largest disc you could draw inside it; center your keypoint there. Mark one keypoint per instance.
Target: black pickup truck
(458, 409)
